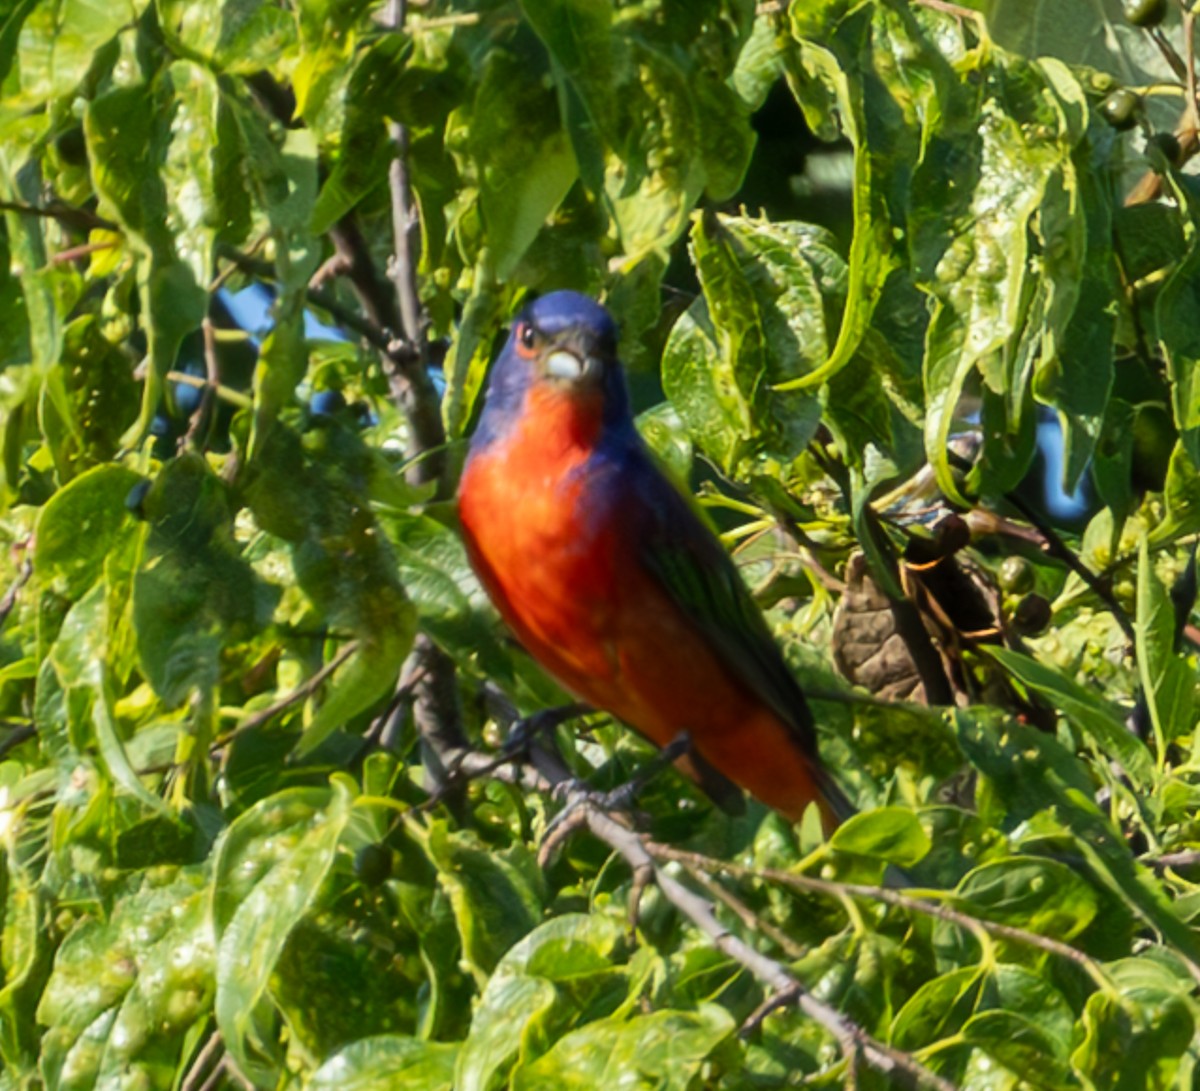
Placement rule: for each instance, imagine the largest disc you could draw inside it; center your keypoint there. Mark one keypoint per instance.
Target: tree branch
(937, 910)
(852, 1039)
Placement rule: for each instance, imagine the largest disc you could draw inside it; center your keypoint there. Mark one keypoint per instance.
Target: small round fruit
(326, 403)
(1016, 575)
(1031, 615)
(136, 500)
(187, 398)
(1168, 146)
(1144, 13)
(1120, 109)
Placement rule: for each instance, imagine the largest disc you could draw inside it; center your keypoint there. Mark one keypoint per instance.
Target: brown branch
(1173, 859)
(10, 596)
(957, 10)
(79, 219)
(938, 910)
(639, 853)
(376, 336)
(747, 915)
(852, 1039)
(18, 735)
(82, 251)
(1150, 186)
(411, 386)
(435, 706)
(212, 370)
(211, 1050)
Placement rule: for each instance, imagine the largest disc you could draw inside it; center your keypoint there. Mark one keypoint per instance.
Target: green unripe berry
(1144, 13)
(1016, 575)
(1120, 109)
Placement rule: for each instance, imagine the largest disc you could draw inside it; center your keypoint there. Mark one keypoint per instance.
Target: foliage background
(238, 615)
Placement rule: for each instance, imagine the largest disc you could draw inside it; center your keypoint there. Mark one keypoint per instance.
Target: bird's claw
(528, 729)
(578, 796)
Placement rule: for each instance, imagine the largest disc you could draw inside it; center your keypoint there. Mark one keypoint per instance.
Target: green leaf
(1167, 681)
(126, 140)
(235, 35)
(364, 146)
(1020, 1045)
(1085, 710)
(88, 513)
(667, 1048)
(46, 295)
(124, 992)
(252, 938)
(82, 658)
(28, 950)
(512, 1009)
(523, 157)
(1136, 1039)
(1032, 773)
(59, 41)
(891, 834)
(193, 593)
(1074, 373)
(645, 101)
(849, 66)
(759, 324)
(387, 1062)
(1042, 896)
(201, 175)
(496, 898)
(310, 492)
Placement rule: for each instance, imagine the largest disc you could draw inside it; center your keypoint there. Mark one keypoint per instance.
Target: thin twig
(208, 1052)
(16, 737)
(73, 253)
(747, 915)
(1173, 859)
(957, 10)
(374, 335)
(436, 713)
(1149, 187)
(70, 216)
(212, 371)
(937, 910)
(303, 691)
(10, 596)
(851, 1038)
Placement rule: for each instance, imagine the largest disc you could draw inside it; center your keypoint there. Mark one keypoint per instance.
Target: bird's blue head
(566, 341)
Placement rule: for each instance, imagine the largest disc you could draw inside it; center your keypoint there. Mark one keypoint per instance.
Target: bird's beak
(564, 364)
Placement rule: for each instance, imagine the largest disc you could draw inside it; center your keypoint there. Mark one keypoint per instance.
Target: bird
(612, 580)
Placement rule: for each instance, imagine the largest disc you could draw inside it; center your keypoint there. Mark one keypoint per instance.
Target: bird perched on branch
(609, 577)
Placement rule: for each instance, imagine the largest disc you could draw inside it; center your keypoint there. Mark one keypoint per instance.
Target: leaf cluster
(222, 864)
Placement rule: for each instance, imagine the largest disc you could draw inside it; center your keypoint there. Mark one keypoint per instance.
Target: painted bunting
(609, 577)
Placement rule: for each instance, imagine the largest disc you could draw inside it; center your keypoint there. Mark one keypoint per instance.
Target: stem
(852, 1039)
(303, 691)
(937, 910)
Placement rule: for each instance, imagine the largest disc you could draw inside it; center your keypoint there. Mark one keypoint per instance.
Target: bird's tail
(835, 804)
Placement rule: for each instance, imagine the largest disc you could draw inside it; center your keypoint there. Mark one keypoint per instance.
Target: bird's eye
(527, 335)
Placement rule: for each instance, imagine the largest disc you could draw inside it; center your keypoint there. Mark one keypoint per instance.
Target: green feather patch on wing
(688, 561)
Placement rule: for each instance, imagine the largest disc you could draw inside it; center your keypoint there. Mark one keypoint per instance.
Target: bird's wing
(686, 559)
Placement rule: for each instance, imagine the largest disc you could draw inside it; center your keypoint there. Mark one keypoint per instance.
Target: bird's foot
(530, 729)
(578, 797)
